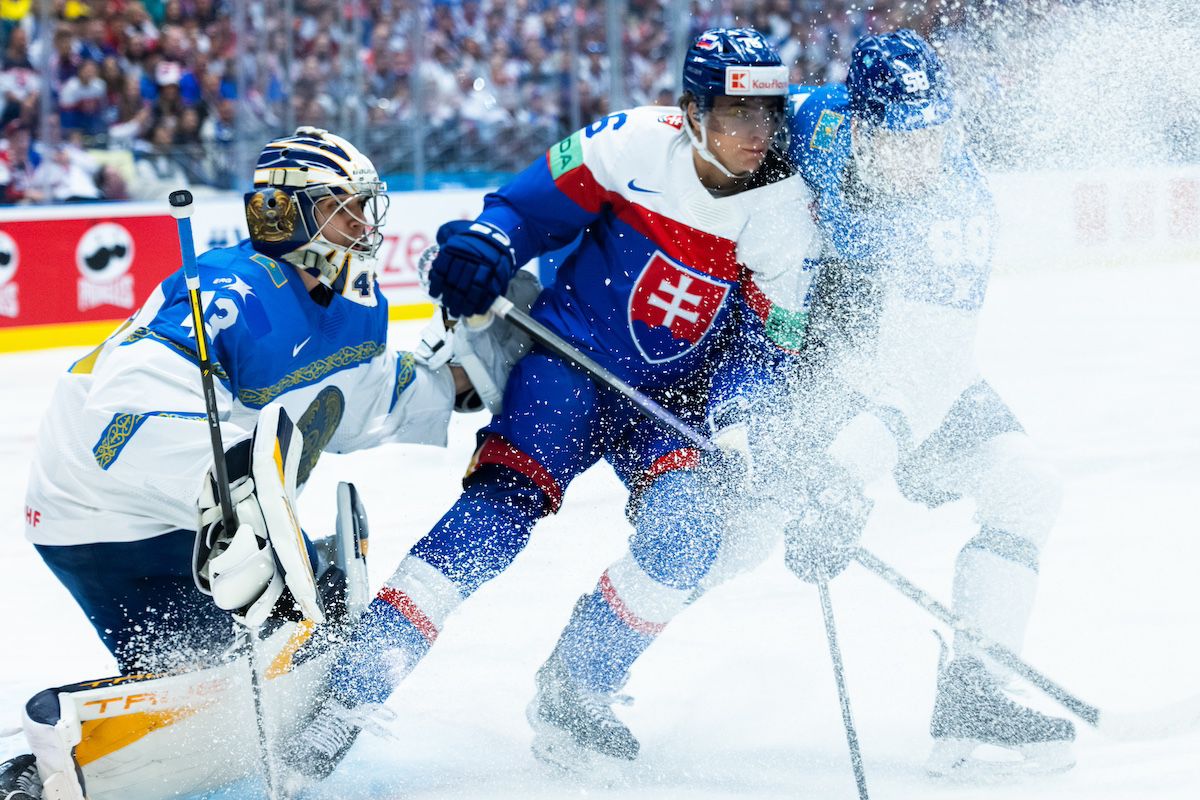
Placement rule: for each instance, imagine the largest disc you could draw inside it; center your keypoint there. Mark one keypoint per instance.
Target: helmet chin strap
(701, 145)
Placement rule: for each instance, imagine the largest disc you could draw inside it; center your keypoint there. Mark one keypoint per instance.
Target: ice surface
(737, 697)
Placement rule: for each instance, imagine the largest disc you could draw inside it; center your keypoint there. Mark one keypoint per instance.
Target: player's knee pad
(678, 524)
(1017, 489)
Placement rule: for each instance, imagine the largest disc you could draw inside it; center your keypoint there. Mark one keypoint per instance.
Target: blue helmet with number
(294, 175)
(732, 61)
(896, 80)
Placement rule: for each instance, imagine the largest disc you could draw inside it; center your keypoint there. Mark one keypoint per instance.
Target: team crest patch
(674, 120)
(672, 308)
(826, 131)
(317, 426)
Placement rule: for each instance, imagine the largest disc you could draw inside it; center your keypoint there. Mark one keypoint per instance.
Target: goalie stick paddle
(181, 210)
(1171, 720)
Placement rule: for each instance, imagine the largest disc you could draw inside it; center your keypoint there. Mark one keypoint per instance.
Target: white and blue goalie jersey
(125, 444)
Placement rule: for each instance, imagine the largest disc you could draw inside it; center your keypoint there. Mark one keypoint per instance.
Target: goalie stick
(1171, 720)
(181, 209)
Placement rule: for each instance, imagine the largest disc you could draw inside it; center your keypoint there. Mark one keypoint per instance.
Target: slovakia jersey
(655, 279)
(928, 254)
(125, 444)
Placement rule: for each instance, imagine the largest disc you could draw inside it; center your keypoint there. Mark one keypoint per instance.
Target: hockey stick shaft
(503, 308)
(839, 677)
(1088, 713)
(181, 210)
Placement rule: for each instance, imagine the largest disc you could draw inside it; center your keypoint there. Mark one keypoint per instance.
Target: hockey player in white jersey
(122, 476)
(894, 385)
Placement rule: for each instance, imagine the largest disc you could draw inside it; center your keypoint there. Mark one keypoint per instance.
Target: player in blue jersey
(121, 480)
(893, 384)
(656, 290)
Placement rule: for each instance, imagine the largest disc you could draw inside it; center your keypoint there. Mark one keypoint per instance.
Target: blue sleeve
(547, 205)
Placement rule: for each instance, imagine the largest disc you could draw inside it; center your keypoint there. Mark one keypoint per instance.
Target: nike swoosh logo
(299, 347)
(640, 189)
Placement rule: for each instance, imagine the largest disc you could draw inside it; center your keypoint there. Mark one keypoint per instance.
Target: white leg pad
(52, 745)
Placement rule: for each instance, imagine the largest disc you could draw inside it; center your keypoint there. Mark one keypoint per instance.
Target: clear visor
(899, 160)
(352, 215)
(746, 118)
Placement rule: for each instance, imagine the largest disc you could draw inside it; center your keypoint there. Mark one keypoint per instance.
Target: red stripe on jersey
(404, 604)
(700, 250)
(622, 611)
(759, 303)
(497, 450)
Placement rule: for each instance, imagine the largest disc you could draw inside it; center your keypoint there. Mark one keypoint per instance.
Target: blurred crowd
(142, 95)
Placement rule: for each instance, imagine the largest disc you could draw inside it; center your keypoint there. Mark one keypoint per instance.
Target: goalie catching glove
(247, 571)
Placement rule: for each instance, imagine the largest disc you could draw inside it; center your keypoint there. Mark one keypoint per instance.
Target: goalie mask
(739, 64)
(319, 204)
(902, 106)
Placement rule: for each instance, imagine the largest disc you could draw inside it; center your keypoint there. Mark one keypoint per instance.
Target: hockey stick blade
(1175, 719)
(1168, 721)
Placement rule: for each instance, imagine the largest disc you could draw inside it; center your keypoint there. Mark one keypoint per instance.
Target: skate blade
(958, 759)
(560, 752)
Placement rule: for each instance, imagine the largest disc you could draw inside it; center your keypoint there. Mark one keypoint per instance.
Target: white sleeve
(399, 399)
(145, 411)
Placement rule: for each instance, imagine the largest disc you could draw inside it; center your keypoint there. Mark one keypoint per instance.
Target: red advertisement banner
(80, 270)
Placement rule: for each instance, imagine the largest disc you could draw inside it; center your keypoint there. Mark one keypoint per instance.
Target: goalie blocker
(247, 571)
(160, 736)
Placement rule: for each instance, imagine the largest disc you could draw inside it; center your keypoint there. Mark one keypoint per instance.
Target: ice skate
(19, 779)
(972, 712)
(322, 744)
(575, 730)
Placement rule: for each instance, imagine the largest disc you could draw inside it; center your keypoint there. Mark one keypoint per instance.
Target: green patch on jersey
(565, 156)
(786, 328)
(826, 131)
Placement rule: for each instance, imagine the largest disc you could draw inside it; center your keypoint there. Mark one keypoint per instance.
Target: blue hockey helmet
(733, 61)
(896, 80)
(296, 173)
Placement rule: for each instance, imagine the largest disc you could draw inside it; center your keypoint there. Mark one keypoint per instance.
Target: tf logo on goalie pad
(672, 308)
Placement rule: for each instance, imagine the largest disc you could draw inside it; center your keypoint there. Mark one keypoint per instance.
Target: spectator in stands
(158, 172)
(66, 176)
(83, 101)
(16, 52)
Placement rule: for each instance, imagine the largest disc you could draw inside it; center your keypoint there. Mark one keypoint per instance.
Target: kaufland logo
(744, 81)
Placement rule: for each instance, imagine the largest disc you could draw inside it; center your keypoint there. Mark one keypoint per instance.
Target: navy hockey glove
(472, 268)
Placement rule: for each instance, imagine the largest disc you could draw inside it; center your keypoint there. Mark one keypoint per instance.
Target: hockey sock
(473, 542)
(995, 581)
(599, 646)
